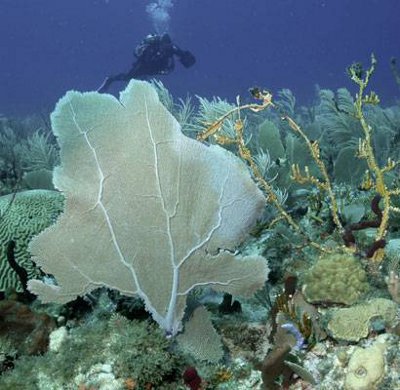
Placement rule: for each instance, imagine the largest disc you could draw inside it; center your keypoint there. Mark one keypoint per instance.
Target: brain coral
(22, 216)
(335, 278)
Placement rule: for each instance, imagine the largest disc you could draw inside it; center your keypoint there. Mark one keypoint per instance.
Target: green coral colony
(302, 251)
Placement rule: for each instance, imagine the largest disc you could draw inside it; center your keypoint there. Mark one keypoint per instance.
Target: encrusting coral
(101, 352)
(354, 323)
(366, 368)
(27, 330)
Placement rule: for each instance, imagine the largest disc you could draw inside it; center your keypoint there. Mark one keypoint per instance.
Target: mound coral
(335, 279)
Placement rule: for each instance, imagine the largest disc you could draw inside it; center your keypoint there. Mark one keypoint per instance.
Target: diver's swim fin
(105, 85)
(186, 58)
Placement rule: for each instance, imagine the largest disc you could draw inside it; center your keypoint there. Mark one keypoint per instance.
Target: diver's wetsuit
(154, 56)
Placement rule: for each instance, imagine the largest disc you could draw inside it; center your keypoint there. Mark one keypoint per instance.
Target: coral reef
(328, 223)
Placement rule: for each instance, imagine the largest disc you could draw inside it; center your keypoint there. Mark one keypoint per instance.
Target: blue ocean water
(48, 47)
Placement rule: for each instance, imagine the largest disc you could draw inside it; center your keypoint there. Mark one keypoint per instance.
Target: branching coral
(244, 152)
(375, 178)
(366, 151)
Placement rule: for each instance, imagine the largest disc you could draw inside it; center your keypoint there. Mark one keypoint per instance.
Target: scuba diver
(154, 56)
